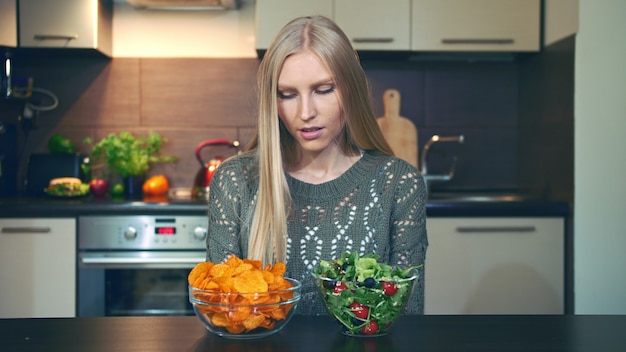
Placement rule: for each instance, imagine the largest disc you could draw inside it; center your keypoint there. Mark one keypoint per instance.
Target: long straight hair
(276, 149)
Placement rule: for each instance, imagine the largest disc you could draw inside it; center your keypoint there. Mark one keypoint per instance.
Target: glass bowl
(368, 308)
(245, 315)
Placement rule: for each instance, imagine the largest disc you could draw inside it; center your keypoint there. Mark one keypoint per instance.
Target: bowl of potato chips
(241, 299)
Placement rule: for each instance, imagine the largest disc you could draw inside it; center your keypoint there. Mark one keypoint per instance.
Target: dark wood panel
(198, 92)
(112, 99)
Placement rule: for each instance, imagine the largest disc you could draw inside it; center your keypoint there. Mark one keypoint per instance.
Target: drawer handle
(467, 229)
(34, 229)
(55, 37)
(477, 41)
(372, 40)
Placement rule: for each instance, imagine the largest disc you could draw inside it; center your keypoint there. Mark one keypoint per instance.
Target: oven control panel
(136, 232)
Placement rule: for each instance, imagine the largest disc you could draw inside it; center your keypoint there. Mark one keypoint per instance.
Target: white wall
(600, 159)
(153, 33)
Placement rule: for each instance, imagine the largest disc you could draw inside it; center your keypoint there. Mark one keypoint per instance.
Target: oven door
(135, 283)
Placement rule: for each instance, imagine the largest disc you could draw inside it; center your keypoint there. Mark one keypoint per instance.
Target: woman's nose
(307, 108)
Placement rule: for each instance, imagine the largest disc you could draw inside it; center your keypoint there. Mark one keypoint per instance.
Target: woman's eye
(325, 90)
(284, 95)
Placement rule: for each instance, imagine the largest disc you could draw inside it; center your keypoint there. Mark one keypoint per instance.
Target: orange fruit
(156, 185)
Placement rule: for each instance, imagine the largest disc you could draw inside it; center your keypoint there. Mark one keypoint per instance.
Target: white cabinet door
(375, 24)
(8, 23)
(37, 268)
(272, 15)
(476, 25)
(495, 266)
(84, 24)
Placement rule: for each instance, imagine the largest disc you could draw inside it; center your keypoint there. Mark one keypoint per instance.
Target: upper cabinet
(375, 24)
(560, 20)
(476, 25)
(8, 23)
(416, 25)
(82, 24)
(272, 15)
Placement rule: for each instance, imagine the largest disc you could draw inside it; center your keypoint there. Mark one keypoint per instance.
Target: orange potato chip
(199, 272)
(255, 263)
(250, 281)
(220, 270)
(239, 314)
(220, 319)
(253, 321)
(241, 268)
(279, 269)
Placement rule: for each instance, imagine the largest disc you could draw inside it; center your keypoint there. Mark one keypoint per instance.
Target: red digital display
(165, 230)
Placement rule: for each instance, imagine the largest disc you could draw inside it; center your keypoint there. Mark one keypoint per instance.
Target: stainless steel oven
(137, 265)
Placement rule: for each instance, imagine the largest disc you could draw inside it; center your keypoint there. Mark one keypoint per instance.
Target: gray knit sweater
(377, 206)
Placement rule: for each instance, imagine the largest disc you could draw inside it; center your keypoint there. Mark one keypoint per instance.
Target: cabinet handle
(496, 229)
(477, 41)
(372, 40)
(34, 229)
(55, 37)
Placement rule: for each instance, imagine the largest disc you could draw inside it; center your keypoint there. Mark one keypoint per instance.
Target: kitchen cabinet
(417, 25)
(272, 15)
(476, 25)
(82, 24)
(495, 265)
(37, 267)
(8, 23)
(374, 24)
(560, 20)
(370, 24)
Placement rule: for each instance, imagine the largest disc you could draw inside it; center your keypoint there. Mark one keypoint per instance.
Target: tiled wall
(191, 100)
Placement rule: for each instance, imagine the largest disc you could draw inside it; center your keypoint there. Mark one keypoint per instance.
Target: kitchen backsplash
(191, 100)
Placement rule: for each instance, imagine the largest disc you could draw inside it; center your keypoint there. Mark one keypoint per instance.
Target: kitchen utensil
(400, 132)
(204, 175)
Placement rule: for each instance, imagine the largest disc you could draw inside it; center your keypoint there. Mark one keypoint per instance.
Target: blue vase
(133, 185)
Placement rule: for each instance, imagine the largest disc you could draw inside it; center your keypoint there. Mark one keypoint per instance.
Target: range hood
(184, 4)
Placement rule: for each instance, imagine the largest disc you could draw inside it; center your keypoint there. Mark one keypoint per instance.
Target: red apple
(98, 187)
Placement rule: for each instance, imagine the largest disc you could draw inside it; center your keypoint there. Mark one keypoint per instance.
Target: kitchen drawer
(495, 266)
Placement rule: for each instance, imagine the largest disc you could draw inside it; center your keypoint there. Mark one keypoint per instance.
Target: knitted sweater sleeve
(408, 238)
(224, 212)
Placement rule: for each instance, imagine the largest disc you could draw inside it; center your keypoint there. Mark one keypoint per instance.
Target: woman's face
(309, 104)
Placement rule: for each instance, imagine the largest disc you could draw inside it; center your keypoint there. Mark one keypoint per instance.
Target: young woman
(318, 179)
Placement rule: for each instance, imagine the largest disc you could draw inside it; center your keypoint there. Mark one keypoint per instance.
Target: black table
(412, 333)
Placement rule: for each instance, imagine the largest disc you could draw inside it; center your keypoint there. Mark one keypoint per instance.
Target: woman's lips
(311, 133)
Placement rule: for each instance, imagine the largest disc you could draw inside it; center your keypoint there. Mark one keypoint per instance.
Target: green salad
(364, 295)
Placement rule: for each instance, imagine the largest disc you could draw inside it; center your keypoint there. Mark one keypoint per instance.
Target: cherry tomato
(340, 286)
(389, 288)
(369, 328)
(359, 310)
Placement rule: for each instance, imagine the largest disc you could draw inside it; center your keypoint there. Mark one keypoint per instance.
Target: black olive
(369, 282)
(357, 322)
(329, 283)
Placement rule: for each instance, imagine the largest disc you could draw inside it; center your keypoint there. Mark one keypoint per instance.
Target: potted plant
(128, 156)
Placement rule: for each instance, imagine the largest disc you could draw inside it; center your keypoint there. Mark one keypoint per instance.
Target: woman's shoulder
(240, 164)
(389, 162)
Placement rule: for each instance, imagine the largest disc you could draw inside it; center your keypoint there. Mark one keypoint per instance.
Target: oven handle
(133, 260)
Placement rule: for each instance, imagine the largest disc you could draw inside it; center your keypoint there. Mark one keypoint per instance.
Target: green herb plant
(127, 155)
(364, 295)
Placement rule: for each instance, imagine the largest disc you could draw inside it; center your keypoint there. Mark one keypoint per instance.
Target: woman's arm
(224, 212)
(409, 240)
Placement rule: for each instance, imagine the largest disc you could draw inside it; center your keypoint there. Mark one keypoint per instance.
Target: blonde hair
(275, 148)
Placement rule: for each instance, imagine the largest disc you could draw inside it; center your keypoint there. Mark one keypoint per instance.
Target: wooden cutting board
(400, 132)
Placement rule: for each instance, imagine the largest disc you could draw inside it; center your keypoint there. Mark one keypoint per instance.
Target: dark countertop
(34, 207)
(412, 333)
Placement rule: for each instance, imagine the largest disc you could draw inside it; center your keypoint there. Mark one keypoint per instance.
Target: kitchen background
(516, 112)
